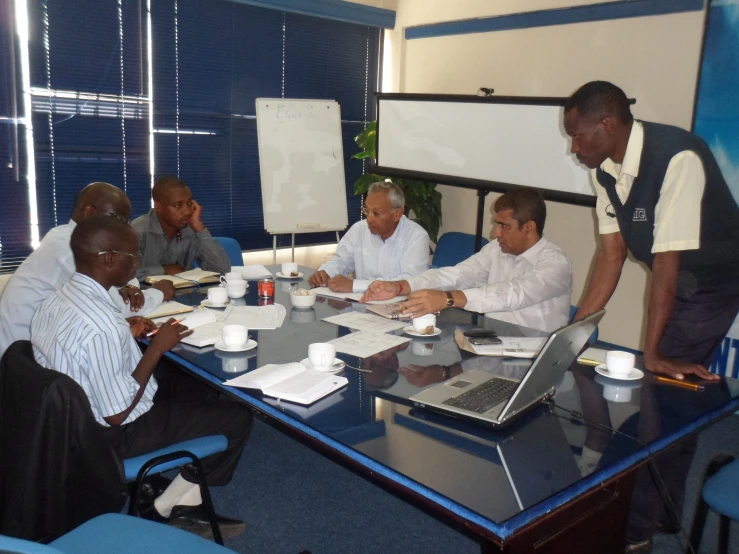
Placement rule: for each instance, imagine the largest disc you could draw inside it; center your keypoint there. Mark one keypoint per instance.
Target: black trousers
(695, 330)
(187, 409)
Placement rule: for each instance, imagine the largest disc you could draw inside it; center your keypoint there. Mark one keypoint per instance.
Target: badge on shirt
(640, 214)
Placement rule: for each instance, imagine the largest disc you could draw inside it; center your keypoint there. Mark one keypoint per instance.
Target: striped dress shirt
(80, 331)
(157, 250)
(45, 271)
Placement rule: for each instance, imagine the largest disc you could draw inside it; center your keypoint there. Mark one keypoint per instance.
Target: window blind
(97, 116)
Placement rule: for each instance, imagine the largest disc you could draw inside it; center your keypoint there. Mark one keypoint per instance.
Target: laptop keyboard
(485, 396)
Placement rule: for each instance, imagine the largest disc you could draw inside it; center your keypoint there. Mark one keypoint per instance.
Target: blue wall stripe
(332, 9)
(559, 16)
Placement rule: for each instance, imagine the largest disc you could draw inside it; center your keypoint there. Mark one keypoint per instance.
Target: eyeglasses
(376, 213)
(123, 218)
(136, 257)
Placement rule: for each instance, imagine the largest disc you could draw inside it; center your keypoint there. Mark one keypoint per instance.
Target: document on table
(365, 322)
(354, 296)
(255, 317)
(252, 272)
(513, 347)
(364, 344)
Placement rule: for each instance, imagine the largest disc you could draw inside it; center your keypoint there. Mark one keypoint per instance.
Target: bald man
(80, 332)
(51, 266)
(172, 236)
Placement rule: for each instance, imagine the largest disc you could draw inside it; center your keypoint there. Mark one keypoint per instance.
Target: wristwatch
(449, 300)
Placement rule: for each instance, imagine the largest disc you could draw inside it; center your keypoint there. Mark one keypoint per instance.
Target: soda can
(266, 288)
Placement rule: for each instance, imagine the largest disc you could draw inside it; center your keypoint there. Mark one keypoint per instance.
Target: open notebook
(186, 278)
(166, 309)
(291, 382)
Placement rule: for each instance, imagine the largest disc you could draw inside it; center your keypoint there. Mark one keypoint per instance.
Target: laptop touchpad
(461, 384)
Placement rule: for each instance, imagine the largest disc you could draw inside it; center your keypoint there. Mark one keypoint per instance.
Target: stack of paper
(512, 347)
(252, 272)
(354, 296)
(256, 317)
(365, 322)
(291, 382)
(365, 344)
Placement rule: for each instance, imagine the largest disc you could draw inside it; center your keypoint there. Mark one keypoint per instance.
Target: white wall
(654, 59)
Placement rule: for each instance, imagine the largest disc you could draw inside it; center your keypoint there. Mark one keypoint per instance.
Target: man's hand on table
(676, 369)
(341, 284)
(424, 302)
(166, 287)
(382, 290)
(140, 326)
(319, 279)
(173, 269)
(133, 297)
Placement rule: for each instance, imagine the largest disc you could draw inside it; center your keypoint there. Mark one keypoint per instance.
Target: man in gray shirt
(172, 235)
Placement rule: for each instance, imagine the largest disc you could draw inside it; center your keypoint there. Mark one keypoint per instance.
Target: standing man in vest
(661, 195)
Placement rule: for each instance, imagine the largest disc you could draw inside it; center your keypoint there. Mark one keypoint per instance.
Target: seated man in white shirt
(80, 331)
(521, 277)
(51, 265)
(385, 245)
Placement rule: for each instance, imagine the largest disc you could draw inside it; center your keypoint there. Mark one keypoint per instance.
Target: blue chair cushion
(123, 534)
(721, 492)
(21, 546)
(453, 248)
(232, 248)
(202, 447)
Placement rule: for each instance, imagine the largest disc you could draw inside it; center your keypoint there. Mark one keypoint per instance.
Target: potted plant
(421, 197)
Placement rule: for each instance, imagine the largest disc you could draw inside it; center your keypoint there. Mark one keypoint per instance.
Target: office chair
(117, 534)
(232, 248)
(594, 337)
(453, 248)
(720, 493)
(46, 415)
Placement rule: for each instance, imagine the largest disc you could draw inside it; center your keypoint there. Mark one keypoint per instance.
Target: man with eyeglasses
(51, 266)
(172, 236)
(385, 245)
(80, 332)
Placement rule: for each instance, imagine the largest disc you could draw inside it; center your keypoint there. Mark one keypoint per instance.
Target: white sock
(191, 498)
(178, 488)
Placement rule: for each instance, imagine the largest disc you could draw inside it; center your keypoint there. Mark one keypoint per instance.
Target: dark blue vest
(717, 259)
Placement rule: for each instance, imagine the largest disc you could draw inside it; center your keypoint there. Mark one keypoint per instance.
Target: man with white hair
(385, 245)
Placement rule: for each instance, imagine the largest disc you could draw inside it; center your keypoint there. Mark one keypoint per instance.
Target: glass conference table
(557, 480)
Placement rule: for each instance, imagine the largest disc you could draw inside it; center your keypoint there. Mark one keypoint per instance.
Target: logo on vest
(640, 214)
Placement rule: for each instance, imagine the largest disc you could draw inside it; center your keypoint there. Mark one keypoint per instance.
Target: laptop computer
(496, 401)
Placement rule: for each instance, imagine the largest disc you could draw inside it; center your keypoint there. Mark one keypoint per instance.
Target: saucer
(633, 376)
(279, 275)
(207, 304)
(220, 345)
(410, 330)
(338, 365)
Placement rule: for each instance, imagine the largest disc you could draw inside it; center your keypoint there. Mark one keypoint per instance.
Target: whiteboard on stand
(301, 163)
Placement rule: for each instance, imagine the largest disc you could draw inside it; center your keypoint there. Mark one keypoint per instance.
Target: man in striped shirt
(51, 265)
(80, 331)
(172, 236)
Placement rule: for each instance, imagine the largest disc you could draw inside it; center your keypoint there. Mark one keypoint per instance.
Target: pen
(678, 383)
(155, 331)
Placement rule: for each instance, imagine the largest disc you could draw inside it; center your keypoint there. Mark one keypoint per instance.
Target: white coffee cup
(288, 268)
(231, 276)
(620, 363)
(217, 296)
(234, 335)
(420, 323)
(236, 288)
(321, 354)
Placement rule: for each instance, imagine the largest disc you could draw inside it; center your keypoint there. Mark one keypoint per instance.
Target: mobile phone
(478, 341)
(479, 333)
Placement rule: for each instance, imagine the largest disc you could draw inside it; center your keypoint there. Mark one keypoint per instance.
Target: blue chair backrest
(594, 336)
(232, 248)
(453, 248)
